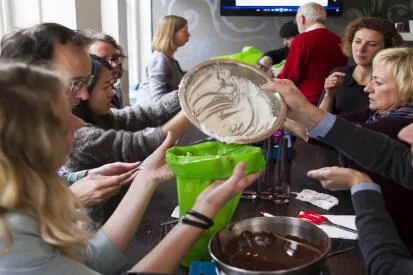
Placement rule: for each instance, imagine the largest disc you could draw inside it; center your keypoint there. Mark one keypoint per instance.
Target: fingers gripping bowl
(223, 99)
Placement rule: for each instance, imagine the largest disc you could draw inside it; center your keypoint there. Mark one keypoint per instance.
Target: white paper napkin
(322, 200)
(345, 220)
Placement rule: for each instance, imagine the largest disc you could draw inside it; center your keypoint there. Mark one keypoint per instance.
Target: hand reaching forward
(155, 167)
(218, 194)
(115, 168)
(337, 178)
(96, 189)
(295, 128)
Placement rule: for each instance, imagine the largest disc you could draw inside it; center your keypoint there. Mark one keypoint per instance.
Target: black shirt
(350, 96)
(278, 55)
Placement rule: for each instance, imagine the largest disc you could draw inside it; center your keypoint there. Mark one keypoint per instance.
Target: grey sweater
(162, 75)
(30, 254)
(120, 136)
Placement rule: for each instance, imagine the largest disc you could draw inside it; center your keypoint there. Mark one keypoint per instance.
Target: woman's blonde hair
(165, 33)
(32, 146)
(399, 61)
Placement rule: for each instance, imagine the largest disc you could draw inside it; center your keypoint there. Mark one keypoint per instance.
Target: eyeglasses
(117, 58)
(78, 82)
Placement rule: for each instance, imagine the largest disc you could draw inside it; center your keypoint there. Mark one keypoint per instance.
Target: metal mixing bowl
(286, 226)
(236, 95)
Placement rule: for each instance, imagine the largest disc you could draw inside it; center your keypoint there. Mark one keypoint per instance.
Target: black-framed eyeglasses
(77, 83)
(117, 58)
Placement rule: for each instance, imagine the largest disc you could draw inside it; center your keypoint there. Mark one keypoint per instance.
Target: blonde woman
(42, 224)
(390, 109)
(163, 74)
(381, 247)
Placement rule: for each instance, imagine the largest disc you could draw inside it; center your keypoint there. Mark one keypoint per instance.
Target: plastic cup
(281, 189)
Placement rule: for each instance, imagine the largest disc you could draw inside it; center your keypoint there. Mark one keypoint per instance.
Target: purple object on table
(278, 134)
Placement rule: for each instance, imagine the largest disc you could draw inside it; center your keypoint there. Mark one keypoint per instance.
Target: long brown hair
(32, 146)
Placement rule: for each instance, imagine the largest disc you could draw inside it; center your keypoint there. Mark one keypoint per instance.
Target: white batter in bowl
(224, 99)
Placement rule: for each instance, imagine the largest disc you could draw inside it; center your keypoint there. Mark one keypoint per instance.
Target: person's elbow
(391, 266)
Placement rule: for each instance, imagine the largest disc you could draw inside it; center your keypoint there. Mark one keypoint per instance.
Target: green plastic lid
(213, 160)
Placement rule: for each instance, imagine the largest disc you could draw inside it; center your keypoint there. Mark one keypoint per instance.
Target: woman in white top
(163, 74)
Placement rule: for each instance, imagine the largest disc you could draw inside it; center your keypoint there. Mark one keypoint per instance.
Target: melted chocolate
(263, 251)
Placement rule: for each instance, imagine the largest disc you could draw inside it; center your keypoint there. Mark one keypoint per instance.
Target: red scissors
(316, 218)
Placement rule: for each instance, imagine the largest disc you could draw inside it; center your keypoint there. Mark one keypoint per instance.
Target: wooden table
(306, 157)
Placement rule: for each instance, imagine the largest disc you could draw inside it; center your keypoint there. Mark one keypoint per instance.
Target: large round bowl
(286, 226)
(224, 99)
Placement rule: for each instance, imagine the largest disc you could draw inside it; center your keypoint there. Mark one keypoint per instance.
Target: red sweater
(312, 56)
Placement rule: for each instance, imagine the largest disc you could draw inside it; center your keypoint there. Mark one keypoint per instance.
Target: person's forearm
(266, 62)
(372, 151)
(382, 249)
(122, 225)
(72, 177)
(167, 255)
(179, 125)
(179, 240)
(296, 129)
(309, 116)
(326, 104)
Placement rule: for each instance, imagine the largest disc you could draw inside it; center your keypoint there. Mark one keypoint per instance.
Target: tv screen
(274, 7)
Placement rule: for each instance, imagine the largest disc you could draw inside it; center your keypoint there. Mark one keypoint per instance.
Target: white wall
(128, 21)
(110, 22)
(62, 12)
(114, 14)
(75, 14)
(145, 33)
(88, 14)
(20, 19)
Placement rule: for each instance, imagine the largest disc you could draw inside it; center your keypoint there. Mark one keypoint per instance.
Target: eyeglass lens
(78, 83)
(116, 59)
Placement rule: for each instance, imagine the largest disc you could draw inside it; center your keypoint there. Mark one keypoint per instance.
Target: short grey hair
(313, 12)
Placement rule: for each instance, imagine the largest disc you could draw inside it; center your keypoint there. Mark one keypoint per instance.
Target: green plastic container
(196, 167)
(248, 54)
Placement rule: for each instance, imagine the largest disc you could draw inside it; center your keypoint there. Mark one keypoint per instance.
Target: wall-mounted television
(274, 7)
